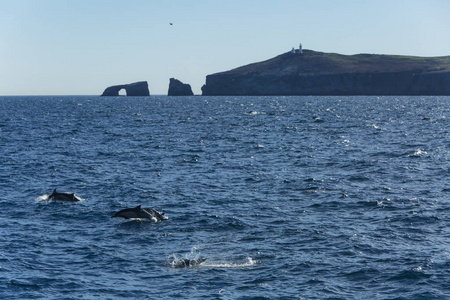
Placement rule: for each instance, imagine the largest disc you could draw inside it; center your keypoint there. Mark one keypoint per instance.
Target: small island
(177, 88)
(307, 72)
(132, 89)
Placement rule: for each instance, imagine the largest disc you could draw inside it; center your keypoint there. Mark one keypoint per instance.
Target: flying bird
(171, 23)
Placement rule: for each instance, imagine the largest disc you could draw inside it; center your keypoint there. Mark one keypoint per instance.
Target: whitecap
(419, 152)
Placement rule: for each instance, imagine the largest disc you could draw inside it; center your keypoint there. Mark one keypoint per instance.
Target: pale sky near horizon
(80, 47)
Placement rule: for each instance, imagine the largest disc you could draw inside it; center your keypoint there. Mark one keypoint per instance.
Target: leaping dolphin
(63, 196)
(140, 213)
(186, 263)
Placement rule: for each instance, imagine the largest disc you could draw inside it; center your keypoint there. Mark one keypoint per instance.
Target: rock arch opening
(132, 89)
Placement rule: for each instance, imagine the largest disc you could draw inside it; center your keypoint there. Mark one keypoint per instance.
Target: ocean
(286, 197)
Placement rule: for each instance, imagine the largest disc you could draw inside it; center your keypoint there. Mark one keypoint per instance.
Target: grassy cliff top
(313, 62)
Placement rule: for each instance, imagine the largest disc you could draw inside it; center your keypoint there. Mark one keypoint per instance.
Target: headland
(307, 72)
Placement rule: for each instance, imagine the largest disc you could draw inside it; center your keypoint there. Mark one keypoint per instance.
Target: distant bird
(171, 23)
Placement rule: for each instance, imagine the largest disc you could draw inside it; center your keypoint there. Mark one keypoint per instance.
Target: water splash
(194, 256)
(183, 262)
(231, 265)
(43, 198)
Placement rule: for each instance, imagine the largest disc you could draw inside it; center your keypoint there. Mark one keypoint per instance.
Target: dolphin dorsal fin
(138, 207)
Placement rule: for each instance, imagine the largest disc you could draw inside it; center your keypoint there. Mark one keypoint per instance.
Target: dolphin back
(186, 263)
(64, 196)
(140, 213)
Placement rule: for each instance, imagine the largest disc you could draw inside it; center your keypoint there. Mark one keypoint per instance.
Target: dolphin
(63, 196)
(186, 263)
(140, 213)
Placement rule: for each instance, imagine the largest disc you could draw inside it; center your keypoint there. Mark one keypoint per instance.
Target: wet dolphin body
(140, 213)
(186, 263)
(63, 196)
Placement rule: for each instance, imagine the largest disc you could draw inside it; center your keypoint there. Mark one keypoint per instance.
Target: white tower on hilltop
(300, 49)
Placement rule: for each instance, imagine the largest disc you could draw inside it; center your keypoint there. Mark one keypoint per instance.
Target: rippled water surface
(286, 197)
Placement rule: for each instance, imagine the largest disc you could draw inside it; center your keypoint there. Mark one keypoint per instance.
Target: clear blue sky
(80, 47)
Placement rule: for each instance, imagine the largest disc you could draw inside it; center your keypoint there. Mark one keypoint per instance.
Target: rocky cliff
(318, 73)
(177, 88)
(132, 89)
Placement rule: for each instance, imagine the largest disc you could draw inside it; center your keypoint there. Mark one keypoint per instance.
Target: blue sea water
(286, 197)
